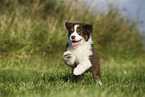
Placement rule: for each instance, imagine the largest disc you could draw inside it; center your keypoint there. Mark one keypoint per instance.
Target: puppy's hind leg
(97, 76)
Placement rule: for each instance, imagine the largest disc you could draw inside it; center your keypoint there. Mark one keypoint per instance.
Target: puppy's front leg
(82, 67)
(69, 58)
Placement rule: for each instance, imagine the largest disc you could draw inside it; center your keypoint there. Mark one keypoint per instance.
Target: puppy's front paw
(68, 58)
(67, 55)
(78, 71)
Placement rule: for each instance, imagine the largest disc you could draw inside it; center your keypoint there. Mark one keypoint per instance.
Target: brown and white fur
(80, 54)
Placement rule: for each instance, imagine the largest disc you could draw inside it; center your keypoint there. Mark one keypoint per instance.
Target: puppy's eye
(79, 33)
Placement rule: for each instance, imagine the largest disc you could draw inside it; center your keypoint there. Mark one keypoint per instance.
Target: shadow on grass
(68, 77)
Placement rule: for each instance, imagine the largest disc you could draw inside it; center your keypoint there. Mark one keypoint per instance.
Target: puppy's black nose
(73, 37)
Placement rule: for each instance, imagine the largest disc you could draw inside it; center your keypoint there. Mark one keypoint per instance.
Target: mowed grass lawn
(47, 76)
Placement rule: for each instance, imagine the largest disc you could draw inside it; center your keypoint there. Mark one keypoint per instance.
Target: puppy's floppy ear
(88, 27)
(68, 25)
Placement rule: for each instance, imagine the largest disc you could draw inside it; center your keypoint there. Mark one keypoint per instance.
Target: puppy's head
(78, 32)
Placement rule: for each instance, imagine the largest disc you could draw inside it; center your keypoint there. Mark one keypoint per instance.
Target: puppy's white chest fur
(82, 52)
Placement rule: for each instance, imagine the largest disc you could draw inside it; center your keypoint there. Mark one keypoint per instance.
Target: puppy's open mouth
(76, 43)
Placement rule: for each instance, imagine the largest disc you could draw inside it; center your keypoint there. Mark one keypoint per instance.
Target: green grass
(32, 41)
(45, 78)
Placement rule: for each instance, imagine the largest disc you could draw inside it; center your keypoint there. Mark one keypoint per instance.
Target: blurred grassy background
(37, 26)
(32, 41)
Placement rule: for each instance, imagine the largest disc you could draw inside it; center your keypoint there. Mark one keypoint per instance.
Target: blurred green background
(38, 26)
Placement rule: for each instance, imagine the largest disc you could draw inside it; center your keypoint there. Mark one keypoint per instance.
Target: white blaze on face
(75, 33)
(76, 41)
(75, 28)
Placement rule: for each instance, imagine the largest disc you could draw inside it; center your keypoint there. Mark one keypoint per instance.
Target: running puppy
(80, 54)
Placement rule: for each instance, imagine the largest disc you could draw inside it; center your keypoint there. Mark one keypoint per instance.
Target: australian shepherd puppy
(80, 54)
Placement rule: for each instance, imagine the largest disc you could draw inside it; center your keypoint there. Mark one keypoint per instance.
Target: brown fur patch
(95, 69)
